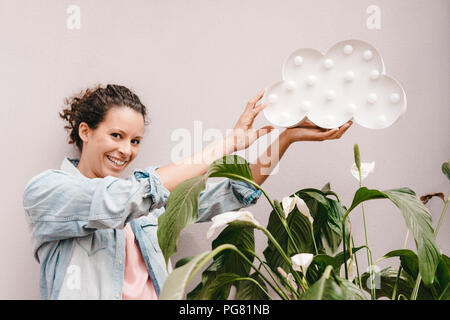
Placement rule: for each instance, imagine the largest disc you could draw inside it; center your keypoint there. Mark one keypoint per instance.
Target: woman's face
(113, 145)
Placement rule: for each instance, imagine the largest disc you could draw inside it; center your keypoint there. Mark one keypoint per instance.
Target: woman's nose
(125, 149)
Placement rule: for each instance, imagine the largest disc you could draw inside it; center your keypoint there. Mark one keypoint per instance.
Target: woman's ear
(83, 131)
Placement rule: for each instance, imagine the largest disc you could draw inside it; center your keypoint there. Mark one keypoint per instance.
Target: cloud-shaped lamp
(349, 81)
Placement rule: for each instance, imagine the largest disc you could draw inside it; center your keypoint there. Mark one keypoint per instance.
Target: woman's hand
(242, 135)
(197, 164)
(305, 131)
(308, 131)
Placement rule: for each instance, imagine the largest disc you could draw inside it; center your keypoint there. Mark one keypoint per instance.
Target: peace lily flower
(228, 217)
(282, 272)
(289, 203)
(366, 169)
(290, 279)
(301, 261)
(351, 269)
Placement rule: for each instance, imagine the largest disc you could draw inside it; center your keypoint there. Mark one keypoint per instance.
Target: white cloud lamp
(348, 82)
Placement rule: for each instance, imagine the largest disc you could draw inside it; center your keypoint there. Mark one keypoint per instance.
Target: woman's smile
(114, 163)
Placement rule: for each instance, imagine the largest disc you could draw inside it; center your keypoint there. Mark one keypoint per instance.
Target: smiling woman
(107, 125)
(94, 233)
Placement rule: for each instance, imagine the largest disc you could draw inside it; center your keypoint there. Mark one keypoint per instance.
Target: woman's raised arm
(240, 138)
(305, 131)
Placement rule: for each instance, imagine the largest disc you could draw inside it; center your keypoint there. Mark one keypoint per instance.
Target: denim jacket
(77, 226)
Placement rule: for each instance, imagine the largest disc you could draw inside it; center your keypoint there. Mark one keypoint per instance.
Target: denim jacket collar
(70, 165)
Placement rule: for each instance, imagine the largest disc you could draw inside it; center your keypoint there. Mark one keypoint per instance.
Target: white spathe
(366, 169)
(301, 261)
(228, 217)
(289, 203)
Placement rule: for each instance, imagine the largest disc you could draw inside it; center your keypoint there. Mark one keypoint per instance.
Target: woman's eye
(118, 135)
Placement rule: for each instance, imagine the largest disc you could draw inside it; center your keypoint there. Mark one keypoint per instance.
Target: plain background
(202, 61)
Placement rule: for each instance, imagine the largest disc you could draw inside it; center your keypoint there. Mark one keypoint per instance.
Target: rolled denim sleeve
(226, 195)
(60, 205)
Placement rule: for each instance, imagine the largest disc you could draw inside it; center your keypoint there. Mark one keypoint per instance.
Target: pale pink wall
(202, 60)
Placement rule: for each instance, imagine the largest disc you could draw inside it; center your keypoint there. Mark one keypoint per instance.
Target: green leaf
(446, 169)
(242, 236)
(340, 258)
(183, 261)
(323, 289)
(182, 204)
(328, 215)
(334, 218)
(200, 291)
(332, 288)
(385, 282)
(445, 294)
(178, 280)
(443, 272)
(351, 291)
(418, 220)
(219, 287)
(327, 288)
(181, 211)
(318, 266)
(249, 290)
(408, 259)
(364, 194)
(301, 231)
(311, 193)
(409, 262)
(321, 261)
(216, 286)
(233, 167)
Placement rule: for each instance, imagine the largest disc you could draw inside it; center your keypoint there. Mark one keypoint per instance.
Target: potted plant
(310, 251)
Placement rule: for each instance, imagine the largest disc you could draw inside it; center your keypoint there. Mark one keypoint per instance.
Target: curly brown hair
(91, 105)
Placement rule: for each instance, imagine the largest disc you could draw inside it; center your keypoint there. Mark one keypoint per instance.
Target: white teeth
(116, 162)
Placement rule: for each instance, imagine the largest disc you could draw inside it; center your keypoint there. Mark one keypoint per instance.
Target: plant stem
(268, 271)
(369, 258)
(399, 268)
(369, 254)
(444, 292)
(257, 283)
(285, 225)
(357, 267)
(280, 293)
(343, 247)
(283, 222)
(416, 287)
(402, 296)
(300, 281)
(314, 240)
(394, 293)
(442, 215)
(406, 239)
(351, 246)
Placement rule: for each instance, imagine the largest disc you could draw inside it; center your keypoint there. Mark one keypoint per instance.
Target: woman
(94, 234)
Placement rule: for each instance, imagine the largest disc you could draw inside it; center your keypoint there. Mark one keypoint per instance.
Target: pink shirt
(137, 285)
